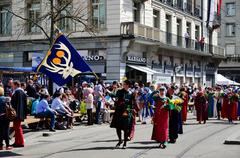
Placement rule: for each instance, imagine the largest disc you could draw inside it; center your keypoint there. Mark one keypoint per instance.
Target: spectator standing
(187, 38)
(19, 103)
(89, 103)
(8, 88)
(4, 122)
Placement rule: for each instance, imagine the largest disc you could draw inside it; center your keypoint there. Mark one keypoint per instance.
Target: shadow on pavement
(9, 154)
(104, 141)
(145, 142)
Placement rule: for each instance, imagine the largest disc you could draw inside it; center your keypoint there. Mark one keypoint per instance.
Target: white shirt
(89, 101)
(57, 104)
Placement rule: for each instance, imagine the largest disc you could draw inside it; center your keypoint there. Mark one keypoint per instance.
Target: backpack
(10, 112)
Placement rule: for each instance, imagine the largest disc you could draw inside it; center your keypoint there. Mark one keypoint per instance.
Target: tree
(57, 14)
(76, 13)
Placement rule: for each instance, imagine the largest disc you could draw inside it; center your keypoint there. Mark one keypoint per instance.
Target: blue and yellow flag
(62, 62)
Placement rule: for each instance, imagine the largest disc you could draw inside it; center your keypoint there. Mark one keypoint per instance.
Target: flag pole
(97, 78)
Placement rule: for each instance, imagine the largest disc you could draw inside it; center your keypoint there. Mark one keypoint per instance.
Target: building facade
(229, 38)
(143, 40)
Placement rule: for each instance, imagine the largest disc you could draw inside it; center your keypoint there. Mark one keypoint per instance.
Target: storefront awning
(143, 69)
(17, 69)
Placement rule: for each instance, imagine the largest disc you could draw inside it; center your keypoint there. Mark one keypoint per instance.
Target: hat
(84, 83)
(162, 88)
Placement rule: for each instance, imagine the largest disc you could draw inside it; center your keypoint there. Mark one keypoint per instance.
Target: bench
(29, 120)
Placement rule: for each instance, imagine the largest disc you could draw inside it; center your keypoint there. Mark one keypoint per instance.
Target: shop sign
(162, 79)
(134, 59)
(93, 58)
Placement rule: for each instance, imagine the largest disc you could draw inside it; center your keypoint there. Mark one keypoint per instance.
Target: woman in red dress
(184, 96)
(229, 109)
(201, 107)
(160, 118)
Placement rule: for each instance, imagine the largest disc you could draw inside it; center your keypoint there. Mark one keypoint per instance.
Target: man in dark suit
(31, 91)
(19, 103)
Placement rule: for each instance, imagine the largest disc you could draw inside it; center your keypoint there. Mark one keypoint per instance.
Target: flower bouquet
(174, 104)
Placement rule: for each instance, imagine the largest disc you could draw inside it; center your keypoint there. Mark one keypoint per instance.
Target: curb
(233, 139)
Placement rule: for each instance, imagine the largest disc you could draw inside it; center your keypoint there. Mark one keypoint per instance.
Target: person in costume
(210, 98)
(147, 110)
(160, 117)
(184, 96)
(173, 118)
(229, 109)
(122, 117)
(238, 104)
(201, 106)
(218, 97)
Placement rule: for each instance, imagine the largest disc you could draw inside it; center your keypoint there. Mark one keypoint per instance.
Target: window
(230, 49)
(231, 9)
(156, 19)
(34, 12)
(137, 13)
(5, 21)
(99, 14)
(189, 28)
(65, 24)
(230, 29)
(197, 32)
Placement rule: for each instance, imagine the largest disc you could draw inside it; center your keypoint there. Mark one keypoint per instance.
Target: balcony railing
(131, 29)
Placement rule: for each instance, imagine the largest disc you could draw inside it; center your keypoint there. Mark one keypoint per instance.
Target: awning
(143, 69)
(17, 69)
(221, 80)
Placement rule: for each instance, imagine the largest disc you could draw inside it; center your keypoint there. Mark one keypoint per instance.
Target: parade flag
(62, 62)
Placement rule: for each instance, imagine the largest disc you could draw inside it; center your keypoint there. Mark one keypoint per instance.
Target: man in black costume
(122, 118)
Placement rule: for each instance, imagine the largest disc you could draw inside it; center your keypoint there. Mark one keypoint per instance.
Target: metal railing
(155, 34)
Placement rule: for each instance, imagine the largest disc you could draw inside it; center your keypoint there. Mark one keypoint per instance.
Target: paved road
(204, 141)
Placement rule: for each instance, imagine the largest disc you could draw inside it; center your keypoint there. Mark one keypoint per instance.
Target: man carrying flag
(62, 62)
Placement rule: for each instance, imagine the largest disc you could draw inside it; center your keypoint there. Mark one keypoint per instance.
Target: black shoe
(118, 145)
(52, 130)
(124, 146)
(172, 141)
(162, 146)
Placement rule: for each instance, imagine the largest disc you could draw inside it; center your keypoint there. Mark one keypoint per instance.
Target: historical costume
(229, 109)
(160, 118)
(122, 118)
(147, 110)
(184, 96)
(173, 118)
(210, 99)
(201, 107)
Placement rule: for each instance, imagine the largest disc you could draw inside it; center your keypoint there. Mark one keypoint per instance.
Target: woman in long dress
(201, 107)
(160, 118)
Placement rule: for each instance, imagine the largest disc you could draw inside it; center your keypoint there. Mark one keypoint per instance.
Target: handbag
(10, 112)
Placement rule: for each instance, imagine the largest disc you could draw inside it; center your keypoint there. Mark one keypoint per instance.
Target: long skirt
(202, 112)
(173, 125)
(160, 126)
(230, 111)
(210, 106)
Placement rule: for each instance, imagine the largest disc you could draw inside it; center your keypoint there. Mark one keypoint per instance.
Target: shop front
(137, 69)
(210, 74)
(197, 75)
